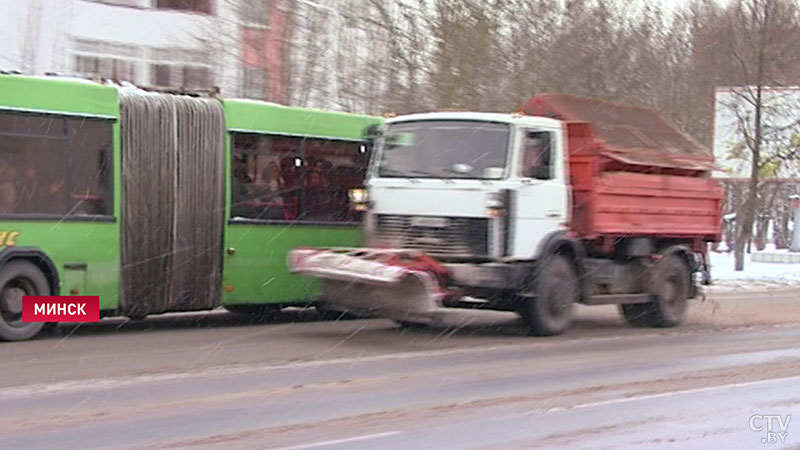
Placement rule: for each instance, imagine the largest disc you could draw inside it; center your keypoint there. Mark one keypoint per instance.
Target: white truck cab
(474, 210)
(468, 187)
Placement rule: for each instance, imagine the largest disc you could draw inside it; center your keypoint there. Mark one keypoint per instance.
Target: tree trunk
(738, 255)
(745, 233)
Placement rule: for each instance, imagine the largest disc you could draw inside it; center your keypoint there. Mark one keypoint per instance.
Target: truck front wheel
(548, 311)
(669, 289)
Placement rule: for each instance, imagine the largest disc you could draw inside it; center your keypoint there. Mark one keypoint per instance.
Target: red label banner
(83, 308)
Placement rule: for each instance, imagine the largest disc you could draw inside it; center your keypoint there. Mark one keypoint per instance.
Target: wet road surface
(212, 380)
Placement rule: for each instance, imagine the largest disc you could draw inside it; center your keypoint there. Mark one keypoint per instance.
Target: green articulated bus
(159, 203)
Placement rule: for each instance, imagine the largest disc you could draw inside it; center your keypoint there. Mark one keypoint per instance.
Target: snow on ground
(755, 276)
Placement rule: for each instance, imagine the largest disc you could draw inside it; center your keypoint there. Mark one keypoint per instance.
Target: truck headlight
(359, 199)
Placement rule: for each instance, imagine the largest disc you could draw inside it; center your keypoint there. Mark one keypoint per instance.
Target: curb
(782, 258)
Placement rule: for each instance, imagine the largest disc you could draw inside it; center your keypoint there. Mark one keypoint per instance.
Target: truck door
(543, 195)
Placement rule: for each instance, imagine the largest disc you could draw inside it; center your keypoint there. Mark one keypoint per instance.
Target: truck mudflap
(402, 285)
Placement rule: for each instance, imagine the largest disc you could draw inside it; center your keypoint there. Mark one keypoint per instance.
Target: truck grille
(447, 236)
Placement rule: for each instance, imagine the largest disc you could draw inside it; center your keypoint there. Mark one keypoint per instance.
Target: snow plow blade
(402, 285)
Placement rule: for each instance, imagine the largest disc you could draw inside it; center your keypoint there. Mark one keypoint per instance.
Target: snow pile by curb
(755, 276)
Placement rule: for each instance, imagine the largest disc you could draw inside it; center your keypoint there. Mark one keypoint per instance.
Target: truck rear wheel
(19, 278)
(669, 289)
(549, 311)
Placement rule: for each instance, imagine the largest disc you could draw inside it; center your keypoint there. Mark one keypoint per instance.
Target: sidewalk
(757, 274)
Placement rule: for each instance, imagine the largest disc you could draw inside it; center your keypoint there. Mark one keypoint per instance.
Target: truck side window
(536, 162)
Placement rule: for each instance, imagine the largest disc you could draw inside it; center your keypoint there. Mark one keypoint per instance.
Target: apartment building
(235, 45)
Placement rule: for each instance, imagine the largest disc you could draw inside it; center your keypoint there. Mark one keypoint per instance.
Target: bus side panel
(255, 266)
(75, 247)
(85, 252)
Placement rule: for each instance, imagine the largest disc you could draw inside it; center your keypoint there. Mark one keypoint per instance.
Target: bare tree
(384, 54)
(756, 37)
(412, 55)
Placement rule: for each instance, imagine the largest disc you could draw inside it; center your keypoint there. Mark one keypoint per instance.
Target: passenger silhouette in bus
(290, 176)
(28, 186)
(8, 187)
(37, 196)
(321, 199)
(270, 188)
(242, 184)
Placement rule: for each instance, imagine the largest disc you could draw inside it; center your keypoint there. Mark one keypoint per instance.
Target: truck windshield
(445, 149)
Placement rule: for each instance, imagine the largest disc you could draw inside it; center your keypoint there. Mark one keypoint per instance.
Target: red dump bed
(633, 173)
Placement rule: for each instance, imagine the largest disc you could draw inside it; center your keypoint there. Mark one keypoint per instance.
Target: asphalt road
(217, 381)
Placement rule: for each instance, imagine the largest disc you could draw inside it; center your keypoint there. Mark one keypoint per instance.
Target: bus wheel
(19, 278)
(669, 286)
(549, 311)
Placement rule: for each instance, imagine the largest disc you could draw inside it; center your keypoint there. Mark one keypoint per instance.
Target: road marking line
(339, 441)
(617, 401)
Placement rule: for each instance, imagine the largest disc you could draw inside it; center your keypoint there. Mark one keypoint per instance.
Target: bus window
(265, 177)
(91, 168)
(8, 187)
(62, 166)
(333, 167)
(36, 146)
(295, 179)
